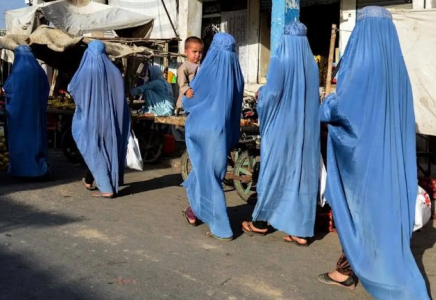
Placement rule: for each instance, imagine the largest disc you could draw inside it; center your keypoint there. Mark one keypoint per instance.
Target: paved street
(57, 242)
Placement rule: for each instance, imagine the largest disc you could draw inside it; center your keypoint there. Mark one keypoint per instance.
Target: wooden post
(328, 84)
(166, 58)
(53, 82)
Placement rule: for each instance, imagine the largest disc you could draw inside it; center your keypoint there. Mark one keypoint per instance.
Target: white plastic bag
(322, 183)
(422, 210)
(133, 158)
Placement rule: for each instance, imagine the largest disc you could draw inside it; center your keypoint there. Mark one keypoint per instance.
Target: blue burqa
(288, 110)
(101, 121)
(212, 130)
(158, 94)
(26, 104)
(371, 160)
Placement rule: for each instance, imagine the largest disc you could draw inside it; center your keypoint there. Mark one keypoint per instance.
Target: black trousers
(343, 266)
(89, 179)
(260, 224)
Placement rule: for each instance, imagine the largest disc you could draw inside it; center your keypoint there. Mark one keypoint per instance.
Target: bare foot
(102, 195)
(335, 275)
(249, 228)
(295, 239)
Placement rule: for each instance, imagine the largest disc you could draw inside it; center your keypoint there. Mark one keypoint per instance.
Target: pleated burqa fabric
(290, 137)
(212, 130)
(101, 120)
(371, 160)
(27, 91)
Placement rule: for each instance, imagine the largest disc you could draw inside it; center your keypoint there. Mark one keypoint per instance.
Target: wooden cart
(243, 161)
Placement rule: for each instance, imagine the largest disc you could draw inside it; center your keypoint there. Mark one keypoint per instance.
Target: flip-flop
(92, 188)
(99, 195)
(185, 214)
(210, 234)
(293, 241)
(250, 230)
(349, 283)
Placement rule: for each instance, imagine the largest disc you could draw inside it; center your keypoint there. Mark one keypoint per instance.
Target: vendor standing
(26, 104)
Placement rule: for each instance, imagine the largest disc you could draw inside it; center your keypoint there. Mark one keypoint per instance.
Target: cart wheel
(151, 144)
(231, 160)
(69, 148)
(186, 167)
(246, 165)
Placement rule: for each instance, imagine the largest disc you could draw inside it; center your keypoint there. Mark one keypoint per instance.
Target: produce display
(322, 67)
(63, 101)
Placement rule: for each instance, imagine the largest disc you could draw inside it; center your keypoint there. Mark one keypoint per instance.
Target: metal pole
(169, 18)
(283, 12)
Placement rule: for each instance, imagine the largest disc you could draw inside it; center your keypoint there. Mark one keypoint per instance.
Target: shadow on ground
(62, 172)
(150, 185)
(22, 279)
(424, 240)
(14, 215)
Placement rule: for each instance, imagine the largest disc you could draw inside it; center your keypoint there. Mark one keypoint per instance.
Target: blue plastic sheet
(27, 91)
(101, 121)
(158, 94)
(212, 130)
(288, 110)
(371, 160)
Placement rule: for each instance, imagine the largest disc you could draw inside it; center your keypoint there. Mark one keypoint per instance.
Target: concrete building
(257, 24)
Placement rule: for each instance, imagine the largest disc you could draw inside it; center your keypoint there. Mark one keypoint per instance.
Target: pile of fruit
(4, 154)
(429, 185)
(64, 101)
(322, 67)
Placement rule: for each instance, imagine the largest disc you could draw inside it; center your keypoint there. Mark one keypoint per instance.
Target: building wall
(348, 15)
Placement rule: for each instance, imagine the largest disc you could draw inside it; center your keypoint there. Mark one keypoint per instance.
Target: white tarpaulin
(162, 28)
(20, 21)
(77, 20)
(417, 33)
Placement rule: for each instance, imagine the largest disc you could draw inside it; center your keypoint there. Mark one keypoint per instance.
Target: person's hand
(257, 95)
(190, 93)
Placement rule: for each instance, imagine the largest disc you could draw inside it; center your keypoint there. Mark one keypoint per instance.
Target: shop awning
(79, 20)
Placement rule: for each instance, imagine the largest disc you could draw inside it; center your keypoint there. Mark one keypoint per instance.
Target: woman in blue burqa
(212, 131)
(158, 94)
(27, 91)
(371, 163)
(101, 121)
(288, 109)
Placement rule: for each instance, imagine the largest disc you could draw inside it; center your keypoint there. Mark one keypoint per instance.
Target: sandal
(100, 195)
(185, 214)
(294, 241)
(349, 283)
(248, 228)
(210, 234)
(91, 188)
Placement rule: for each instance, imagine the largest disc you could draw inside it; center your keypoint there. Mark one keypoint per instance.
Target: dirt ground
(57, 242)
